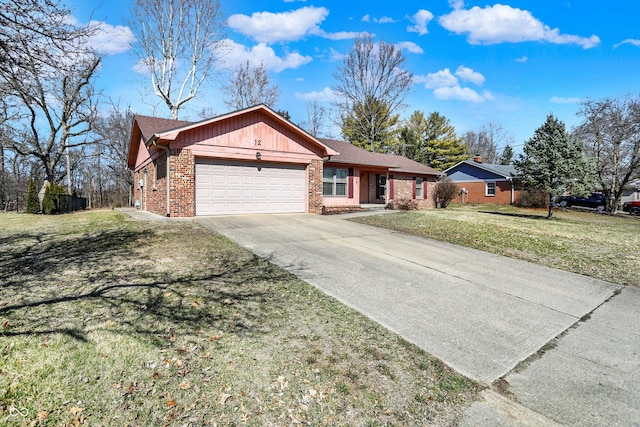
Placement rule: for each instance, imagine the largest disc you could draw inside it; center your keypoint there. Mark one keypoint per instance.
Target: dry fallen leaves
(75, 410)
(223, 398)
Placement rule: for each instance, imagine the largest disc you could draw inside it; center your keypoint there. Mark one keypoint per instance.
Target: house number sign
(257, 142)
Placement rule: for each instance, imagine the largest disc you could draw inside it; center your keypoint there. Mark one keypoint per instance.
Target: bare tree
(46, 83)
(371, 75)
(110, 156)
(487, 140)
(178, 42)
(611, 132)
(250, 86)
(315, 118)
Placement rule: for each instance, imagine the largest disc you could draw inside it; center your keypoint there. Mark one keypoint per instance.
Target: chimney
(477, 158)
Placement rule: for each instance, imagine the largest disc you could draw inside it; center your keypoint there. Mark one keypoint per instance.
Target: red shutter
(414, 188)
(350, 184)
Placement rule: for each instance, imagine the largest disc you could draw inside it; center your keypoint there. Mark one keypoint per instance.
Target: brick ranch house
(480, 182)
(255, 161)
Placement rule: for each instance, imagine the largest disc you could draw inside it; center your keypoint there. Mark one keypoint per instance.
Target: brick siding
(315, 187)
(477, 193)
(183, 198)
(403, 189)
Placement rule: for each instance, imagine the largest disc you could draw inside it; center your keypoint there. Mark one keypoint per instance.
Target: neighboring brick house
(255, 161)
(480, 182)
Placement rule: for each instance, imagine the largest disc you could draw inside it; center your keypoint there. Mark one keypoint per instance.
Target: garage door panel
(238, 187)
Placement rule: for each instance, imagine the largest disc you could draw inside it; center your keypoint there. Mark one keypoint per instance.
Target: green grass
(600, 246)
(109, 321)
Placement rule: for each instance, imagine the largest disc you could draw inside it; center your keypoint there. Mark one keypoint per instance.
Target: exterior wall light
(259, 156)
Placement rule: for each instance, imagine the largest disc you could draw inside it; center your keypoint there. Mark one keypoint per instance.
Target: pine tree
(442, 146)
(554, 163)
(33, 202)
(48, 205)
(411, 138)
(507, 155)
(370, 126)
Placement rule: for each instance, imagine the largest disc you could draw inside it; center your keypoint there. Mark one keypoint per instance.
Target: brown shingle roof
(152, 125)
(349, 153)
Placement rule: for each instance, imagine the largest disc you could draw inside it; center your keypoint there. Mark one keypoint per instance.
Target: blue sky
(510, 63)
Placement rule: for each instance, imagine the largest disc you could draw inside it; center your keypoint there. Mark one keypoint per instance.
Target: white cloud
(237, 54)
(336, 56)
(420, 20)
(446, 85)
(442, 78)
(560, 100)
(110, 40)
(456, 4)
(634, 42)
(458, 93)
(268, 27)
(522, 59)
(410, 47)
(501, 23)
(340, 35)
(142, 67)
(326, 95)
(384, 20)
(468, 75)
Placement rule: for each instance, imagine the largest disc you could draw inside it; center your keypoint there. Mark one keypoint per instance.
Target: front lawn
(108, 321)
(597, 245)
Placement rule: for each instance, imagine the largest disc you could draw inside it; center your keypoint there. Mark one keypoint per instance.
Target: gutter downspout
(167, 150)
(513, 191)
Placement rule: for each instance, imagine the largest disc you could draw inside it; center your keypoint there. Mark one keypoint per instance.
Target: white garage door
(242, 187)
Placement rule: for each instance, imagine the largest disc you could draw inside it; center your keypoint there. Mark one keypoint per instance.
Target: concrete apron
(573, 341)
(480, 313)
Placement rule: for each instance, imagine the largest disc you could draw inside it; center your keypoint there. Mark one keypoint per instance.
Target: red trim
(350, 184)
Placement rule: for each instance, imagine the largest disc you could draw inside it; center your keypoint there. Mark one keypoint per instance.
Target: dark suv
(597, 201)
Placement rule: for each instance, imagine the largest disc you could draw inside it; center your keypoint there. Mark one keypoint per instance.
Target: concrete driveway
(480, 313)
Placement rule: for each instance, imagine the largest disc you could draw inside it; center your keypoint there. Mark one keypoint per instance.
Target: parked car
(632, 207)
(596, 201)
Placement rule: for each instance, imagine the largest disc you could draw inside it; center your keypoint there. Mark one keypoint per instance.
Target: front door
(364, 188)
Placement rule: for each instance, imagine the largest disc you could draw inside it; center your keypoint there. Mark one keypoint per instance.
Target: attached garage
(235, 187)
(247, 161)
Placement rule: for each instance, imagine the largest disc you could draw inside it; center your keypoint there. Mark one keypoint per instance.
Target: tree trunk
(550, 213)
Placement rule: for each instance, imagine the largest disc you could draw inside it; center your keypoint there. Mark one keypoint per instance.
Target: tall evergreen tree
(370, 126)
(554, 163)
(442, 146)
(507, 155)
(411, 137)
(33, 202)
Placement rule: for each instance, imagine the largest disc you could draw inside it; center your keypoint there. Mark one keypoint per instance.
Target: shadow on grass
(233, 296)
(516, 215)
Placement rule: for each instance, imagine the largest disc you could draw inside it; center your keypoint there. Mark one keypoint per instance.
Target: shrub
(404, 204)
(51, 200)
(533, 199)
(33, 202)
(444, 192)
